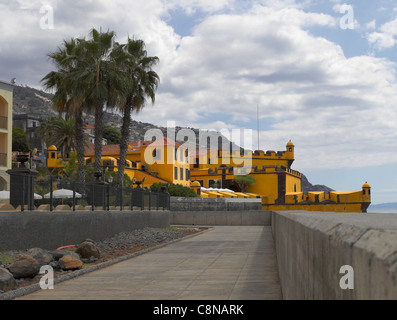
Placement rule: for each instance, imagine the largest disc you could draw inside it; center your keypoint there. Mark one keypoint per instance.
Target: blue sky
(329, 89)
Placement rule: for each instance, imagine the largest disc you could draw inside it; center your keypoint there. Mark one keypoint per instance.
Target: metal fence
(47, 193)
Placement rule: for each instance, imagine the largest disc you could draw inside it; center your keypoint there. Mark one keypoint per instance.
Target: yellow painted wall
(6, 103)
(349, 207)
(266, 185)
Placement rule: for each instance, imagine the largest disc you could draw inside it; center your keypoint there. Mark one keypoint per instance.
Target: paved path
(222, 263)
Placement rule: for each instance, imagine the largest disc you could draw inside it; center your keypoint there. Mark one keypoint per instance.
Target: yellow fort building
(6, 101)
(212, 173)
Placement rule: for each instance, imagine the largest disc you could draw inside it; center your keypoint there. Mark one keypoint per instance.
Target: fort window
(156, 154)
(52, 155)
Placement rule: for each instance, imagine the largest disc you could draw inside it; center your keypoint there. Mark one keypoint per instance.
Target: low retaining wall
(312, 247)
(49, 230)
(214, 204)
(221, 218)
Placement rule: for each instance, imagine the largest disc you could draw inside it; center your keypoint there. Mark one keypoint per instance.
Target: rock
(54, 265)
(42, 256)
(58, 254)
(24, 266)
(7, 281)
(88, 249)
(70, 261)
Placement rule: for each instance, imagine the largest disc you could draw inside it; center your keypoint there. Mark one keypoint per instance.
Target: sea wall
(221, 218)
(336, 255)
(214, 204)
(49, 230)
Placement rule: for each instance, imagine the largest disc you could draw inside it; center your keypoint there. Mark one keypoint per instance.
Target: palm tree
(87, 78)
(68, 98)
(103, 83)
(59, 132)
(142, 84)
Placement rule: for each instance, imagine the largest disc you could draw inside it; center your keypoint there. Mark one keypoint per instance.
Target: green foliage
(244, 181)
(59, 132)
(112, 135)
(175, 190)
(127, 180)
(19, 140)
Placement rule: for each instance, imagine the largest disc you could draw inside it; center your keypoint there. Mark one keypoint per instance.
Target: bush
(175, 190)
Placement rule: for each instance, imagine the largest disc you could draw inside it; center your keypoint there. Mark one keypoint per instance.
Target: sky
(319, 73)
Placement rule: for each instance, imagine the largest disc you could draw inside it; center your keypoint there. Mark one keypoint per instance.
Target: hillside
(307, 186)
(389, 205)
(38, 103)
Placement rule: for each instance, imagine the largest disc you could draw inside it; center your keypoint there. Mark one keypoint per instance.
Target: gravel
(138, 238)
(124, 241)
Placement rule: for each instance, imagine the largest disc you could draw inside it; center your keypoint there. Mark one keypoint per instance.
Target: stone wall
(221, 218)
(214, 204)
(312, 247)
(49, 230)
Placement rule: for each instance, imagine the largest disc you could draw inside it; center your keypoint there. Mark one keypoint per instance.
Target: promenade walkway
(225, 262)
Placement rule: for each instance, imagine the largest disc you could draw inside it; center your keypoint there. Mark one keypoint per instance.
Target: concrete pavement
(225, 262)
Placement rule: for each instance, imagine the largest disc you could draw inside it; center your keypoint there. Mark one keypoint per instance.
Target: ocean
(389, 210)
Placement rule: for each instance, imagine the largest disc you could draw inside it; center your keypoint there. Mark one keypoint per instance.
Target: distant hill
(390, 205)
(307, 186)
(38, 103)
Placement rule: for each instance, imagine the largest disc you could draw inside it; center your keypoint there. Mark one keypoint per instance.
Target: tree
(244, 181)
(59, 132)
(69, 94)
(112, 135)
(142, 82)
(20, 141)
(102, 81)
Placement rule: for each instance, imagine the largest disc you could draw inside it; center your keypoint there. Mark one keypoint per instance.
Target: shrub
(175, 190)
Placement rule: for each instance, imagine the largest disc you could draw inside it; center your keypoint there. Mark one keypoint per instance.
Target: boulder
(42, 256)
(70, 262)
(58, 254)
(7, 281)
(24, 266)
(88, 249)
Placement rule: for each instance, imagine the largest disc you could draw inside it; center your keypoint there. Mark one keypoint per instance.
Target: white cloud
(371, 25)
(338, 111)
(385, 38)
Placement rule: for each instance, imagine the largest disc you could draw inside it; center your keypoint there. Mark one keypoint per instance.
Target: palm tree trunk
(125, 133)
(98, 137)
(79, 133)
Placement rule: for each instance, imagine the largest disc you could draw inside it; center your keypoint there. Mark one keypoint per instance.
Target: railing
(3, 122)
(50, 193)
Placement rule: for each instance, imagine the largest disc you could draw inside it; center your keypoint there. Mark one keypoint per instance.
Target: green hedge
(175, 190)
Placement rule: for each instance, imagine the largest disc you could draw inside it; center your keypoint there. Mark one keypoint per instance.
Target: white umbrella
(6, 195)
(62, 193)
